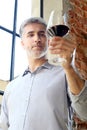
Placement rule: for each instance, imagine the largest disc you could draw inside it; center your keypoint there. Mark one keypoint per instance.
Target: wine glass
(56, 27)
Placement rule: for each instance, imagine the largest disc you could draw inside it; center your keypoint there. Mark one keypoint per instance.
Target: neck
(35, 63)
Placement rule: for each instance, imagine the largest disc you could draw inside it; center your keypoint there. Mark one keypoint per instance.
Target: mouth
(37, 47)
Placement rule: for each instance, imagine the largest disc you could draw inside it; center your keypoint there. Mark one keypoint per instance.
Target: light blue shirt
(38, 101)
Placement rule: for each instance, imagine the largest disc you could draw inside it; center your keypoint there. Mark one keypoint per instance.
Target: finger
(60, 49)
(62, 43)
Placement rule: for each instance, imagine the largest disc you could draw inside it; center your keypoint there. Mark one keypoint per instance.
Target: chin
(43, 55)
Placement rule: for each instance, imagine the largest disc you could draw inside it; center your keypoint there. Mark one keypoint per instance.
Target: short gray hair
(31, 20)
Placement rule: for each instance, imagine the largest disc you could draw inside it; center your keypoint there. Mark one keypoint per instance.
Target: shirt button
(23, 114)
(27, 100)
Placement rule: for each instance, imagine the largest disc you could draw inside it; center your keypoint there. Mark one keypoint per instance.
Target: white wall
(49, 5)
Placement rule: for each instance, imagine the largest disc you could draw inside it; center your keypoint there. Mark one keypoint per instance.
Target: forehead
(34, 27)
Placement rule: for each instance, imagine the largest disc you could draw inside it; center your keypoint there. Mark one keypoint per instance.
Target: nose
(37, 37)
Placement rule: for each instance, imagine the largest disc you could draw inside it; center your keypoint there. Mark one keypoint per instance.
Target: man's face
(34, 40)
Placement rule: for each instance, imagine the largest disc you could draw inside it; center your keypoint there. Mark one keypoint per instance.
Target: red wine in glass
(56, 27)
(58, 30)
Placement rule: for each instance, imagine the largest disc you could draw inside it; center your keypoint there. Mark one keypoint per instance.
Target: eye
(30, 35)
(42, 35)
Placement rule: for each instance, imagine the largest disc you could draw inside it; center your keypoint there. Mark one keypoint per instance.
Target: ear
(22, 44)
(48, 42)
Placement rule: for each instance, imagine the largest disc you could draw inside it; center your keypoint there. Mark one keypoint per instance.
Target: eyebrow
(38, 32)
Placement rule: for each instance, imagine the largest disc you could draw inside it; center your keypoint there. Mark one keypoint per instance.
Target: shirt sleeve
(3, 116)
(79, 103)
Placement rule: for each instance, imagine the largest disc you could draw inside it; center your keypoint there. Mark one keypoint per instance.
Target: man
(37, 99)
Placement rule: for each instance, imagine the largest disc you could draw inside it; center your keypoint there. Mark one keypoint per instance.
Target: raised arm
(77, 86)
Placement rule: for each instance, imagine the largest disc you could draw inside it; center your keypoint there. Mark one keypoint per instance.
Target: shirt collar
(46, 65)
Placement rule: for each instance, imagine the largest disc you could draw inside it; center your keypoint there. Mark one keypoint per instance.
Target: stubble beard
(37, 54)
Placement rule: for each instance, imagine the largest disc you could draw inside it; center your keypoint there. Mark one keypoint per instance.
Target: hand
(62, 47)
